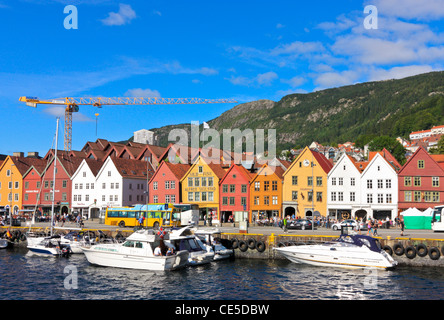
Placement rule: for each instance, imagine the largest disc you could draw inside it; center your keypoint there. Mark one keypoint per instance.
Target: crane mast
(72, 105)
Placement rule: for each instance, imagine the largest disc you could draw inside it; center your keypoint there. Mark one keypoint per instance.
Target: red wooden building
(164, 186)
(234, 193)
(421, 181)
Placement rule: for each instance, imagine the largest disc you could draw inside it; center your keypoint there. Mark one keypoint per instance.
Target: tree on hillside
(439, 148)
(391, 144)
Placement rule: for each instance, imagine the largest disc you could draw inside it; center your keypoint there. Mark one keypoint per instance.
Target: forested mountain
(393, 108)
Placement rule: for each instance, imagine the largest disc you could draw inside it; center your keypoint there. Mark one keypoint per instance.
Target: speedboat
(50, 246)
(137, 252)
(5, 243)
(212, 239)
(348, 251)
(184, 239)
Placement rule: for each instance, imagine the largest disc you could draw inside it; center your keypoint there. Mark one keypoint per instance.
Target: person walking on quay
(401, 225)
(285, 224)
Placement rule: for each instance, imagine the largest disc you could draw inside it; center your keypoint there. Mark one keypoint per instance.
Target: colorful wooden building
(266, 193)
(305, 185)
(234, 190)
(164, 186)
(200, 185)
(421, 181)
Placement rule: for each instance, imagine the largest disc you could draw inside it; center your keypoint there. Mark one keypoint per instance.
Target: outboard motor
(65, 251)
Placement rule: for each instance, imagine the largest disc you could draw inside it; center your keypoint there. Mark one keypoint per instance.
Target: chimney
(18, 154)
(33, 154)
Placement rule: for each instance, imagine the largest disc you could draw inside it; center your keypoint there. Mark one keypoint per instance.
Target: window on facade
(200, 169)
(204, 196)
(257, 186)
(309, 181)
(266, 200)
(172, 184)
(369, 185)
(232, 201)
(26, 197)
(190, 196)
(369, 198)
(319, 196)
(244, 188)
(388, 183)
(380, 198)
(388, 198)
(103, 197)
(294, 196)
(65, 196)
(420, 164)
(310, 196)
(204, 181)
(417, 196)
(407, 196)
(319, 181)
(173, 198)
(84, 174)
(26, 184)
(352, 196)
(274, 185)
(435, 181)
(103, 185)
(155, 185)
(340, 181)
(340, 196)
(243, 201)
(92, 185)
(225, 188)
(333, 181)
(109, 173)
(167, 198)
(274, 200)
(435, 196)
(407, 181)
(167, 185)
(225, 201)
(156, 199)
(380, 183)
(333, 196)
(352, 181)
(190, 182)
(196, 182)
(196, 196)
(256, 200)
(417, 181)
(266, 185)
(294, 180)
(232, 188)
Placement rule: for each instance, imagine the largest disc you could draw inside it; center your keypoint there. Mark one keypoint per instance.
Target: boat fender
(388, 249)
(234, 243)
(251, 243)
(398, 249)
(410, 252)
(243, 246)
(434, 253)
(260, 246)
(421, 250)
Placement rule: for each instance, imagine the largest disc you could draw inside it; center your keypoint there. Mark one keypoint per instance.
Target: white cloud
(263, 79)
(295, 81)
(336, 79)
(410, 9)
(398, 72)
(139, 93)
(124, 16)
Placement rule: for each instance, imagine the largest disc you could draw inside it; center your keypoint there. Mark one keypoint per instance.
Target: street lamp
(312, 192)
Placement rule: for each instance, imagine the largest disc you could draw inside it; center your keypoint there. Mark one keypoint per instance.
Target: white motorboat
(211, 238)
(137, 252)
(184, 239)
(348, 251)
(49, 246)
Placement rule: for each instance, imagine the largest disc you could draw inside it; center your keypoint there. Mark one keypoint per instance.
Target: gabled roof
(278, 171)
(244, 172)
(177, 169)
(217, 169)
(422, 150)
(129, 168)
(387, 156)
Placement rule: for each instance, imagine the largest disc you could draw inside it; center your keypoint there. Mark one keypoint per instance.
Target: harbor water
(25, 276)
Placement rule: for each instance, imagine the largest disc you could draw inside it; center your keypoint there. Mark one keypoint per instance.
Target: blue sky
(246, 50)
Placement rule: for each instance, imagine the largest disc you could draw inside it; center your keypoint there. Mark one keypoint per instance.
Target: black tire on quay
(243, 246)
(410, 252)
(234, 243)
(251, 243)
(260, 246)
(388, 249)
(434, 253)
(421, 250)
(398, 249)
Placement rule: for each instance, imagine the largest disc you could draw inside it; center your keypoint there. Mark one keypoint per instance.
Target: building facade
(164, 186)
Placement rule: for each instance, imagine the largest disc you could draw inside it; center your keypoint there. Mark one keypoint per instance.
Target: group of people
(163, 250)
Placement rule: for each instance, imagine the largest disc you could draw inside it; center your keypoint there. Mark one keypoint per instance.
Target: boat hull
(113, 258)
(354, 258)
(42, 250)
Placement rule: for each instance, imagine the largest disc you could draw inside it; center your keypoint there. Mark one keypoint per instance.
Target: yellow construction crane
(72, 105)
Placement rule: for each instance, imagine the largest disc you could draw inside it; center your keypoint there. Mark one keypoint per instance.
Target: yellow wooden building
(305, 185)
(200, 185)
(11, 181)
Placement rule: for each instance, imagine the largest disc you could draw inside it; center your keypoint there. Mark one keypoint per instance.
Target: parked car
(347, 223)
(302, 224)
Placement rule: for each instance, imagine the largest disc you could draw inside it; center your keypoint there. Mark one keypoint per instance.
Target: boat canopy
(360, 240)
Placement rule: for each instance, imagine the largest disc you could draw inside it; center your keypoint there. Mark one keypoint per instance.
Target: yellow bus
(155, 215)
